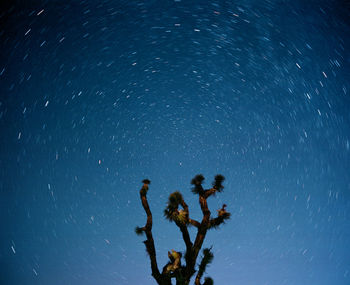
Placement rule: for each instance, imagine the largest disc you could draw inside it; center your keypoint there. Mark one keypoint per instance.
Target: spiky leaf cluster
(207, 258)
(175, 199)
(139, 231)
(144, 188)
(172, 212)
(217, 184)
(198, 179)
(208, 281)
(182, 217)
(215, 223)
(223, 215)
(197, 184)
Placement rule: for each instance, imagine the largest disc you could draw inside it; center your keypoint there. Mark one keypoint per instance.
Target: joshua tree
(177, 211)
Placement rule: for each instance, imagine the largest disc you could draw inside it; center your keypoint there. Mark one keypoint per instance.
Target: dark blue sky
(97, 95)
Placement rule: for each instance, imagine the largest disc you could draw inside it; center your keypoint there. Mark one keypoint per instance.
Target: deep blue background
(97, 95)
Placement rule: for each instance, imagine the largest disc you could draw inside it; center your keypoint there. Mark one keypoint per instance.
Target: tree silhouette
(177, 211)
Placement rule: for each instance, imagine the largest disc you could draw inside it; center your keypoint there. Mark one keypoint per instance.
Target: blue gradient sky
(97, 95)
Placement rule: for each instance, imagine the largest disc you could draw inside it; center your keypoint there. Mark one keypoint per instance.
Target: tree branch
(203, 196)
(191, 221)
(149, 243)
(202, 231)
(194, 223)
(223, 215)
(183, 227)
(206, 259)
(209, 192)
(217, 186)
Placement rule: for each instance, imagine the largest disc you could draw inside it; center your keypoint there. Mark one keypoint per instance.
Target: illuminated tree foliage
(177, 211)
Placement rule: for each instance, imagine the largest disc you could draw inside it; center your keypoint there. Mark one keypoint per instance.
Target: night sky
(97, 95)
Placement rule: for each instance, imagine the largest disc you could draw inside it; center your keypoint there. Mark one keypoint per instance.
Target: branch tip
(139, 231)
(218, 180)
(197, 180)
